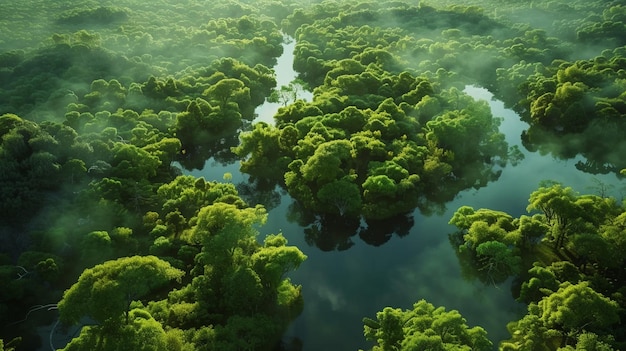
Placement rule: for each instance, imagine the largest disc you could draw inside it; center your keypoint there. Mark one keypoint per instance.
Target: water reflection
(259, 191)
(401, 260)
(601, 146)
(329, 232)
(210, 148)
(421, 264)
(213, 148)
(379, 232)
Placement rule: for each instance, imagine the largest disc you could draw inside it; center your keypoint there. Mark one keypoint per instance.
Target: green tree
(275, 259)
(226, 90)
(588, 342)
(425, 327)
(131, 162)
(562, 317)
(142, 332)
(489, 242)
(498, 260)
(555, 203)
(575, 307)
(105, 292)
(568, 212)
(542, 282)
(264, 146)
(287, 93)
(343, 195)
(532, 229)
(328, 162)
(221, 227)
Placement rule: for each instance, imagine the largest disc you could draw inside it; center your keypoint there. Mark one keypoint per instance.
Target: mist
(113, 113)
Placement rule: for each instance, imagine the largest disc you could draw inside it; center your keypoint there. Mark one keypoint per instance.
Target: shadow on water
(258, 191)
(329, 232)
(218, 149)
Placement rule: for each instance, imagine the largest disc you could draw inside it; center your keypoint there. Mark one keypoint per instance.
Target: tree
(562, 317)
(532, 229)
(264, 146)
(530, 334)
(187, 195)
(498, 260)
(227, 90)
(343, 195)
(131, 162)
(479, 226)
(166, 149)
(328, 162)
(488, 241)
(614, 234)
(577, 307)
(287, 93)
(542, 282)
(568, 212)
(105, 292)
(555, 202)
(590, 248)
(588, 342)
(275, 259)
(425, 327)
(221, 226)
(142, 332)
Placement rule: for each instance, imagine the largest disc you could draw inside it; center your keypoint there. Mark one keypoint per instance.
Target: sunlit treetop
(425, 327)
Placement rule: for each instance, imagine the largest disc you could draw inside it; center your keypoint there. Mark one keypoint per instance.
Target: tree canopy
(423, 327)
(106, 108)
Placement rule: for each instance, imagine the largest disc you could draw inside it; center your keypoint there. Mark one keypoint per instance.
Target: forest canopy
(106, 108)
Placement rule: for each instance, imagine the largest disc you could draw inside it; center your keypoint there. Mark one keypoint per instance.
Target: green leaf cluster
(376, 144)
(571, 247)
(425, 327)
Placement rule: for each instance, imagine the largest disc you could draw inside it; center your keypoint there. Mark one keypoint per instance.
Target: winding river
(342, 287)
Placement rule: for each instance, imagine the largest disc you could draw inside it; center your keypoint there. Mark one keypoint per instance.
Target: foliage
(96, 109)
(423, 327)
(489, 243)
(105, 292)
(237, 285)
(561, 318)
(100, 105)
(569, 296)
(371, 146)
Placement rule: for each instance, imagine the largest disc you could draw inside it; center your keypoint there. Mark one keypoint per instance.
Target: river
(342, 287)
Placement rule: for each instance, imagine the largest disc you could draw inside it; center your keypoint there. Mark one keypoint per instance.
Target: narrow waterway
(342, 287)
(285, 74)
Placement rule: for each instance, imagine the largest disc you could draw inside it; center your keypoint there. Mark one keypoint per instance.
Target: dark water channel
(342, 287)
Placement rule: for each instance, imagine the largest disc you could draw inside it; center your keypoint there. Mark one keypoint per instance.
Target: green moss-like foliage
(376, 144)
(103, 15)
(423, 327)
(584, 234)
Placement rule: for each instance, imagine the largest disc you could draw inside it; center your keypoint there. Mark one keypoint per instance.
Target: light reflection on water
(284, 75)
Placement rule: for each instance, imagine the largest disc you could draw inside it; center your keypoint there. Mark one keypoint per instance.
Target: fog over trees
(106, 108)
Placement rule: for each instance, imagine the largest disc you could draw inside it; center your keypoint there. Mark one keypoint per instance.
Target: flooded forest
(298, 175)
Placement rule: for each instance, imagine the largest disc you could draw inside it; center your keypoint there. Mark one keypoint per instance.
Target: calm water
(342, 287)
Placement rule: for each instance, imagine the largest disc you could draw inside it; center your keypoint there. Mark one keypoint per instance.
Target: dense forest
(105, 108)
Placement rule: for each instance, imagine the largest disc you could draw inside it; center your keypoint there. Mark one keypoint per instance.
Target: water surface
(342, 287)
